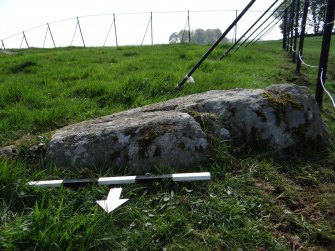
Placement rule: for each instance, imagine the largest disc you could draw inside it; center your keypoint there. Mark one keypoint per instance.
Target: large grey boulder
(177, 132)
(138, 141)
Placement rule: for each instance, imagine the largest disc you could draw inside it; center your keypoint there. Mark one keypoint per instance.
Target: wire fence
(291, 25)
(142, 28)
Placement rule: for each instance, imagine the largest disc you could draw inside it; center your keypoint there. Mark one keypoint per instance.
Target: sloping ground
(253, 201)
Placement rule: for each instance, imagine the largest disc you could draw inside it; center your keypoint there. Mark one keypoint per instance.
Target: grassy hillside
(252, 202)
(43, 90)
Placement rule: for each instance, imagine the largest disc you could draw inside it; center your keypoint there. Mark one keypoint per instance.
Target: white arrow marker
(113, 200)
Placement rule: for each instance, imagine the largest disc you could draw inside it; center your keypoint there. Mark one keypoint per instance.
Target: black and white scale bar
(121, 180)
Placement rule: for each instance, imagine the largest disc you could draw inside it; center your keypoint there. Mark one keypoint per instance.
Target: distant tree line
(316, 14)
(198, 36)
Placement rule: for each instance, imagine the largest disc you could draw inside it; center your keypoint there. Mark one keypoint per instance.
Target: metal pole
(152, 34)
(146, 30)
(236, 27)
(302, 34)
(116, 42)
(297, 11)
(289, 28)
(45, 37)
(189, 26)
(21, 42)
(292, 25)
(25, 39)
(259, 26)
(3, 45)
(110, 27)
(252, 26)
(75, 31)
(189, 31)
(285, 30)
(82, 38)
(52, 37)
(215, 44)
(182, 36)
(327, 33)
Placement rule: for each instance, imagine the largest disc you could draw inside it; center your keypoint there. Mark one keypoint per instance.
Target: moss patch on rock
(280, 100)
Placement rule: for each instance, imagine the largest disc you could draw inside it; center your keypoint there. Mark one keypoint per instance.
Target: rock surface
(8, 151)
(135, 140)
(177, 132)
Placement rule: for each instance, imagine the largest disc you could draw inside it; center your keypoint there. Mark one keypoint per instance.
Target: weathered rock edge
(175, 133)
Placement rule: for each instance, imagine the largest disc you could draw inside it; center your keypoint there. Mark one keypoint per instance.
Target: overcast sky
(21, 15)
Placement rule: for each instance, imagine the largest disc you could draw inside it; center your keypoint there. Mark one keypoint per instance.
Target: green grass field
(252, 202)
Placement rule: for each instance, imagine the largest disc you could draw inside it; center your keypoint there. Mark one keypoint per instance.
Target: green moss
(146, 140)
(281, 100)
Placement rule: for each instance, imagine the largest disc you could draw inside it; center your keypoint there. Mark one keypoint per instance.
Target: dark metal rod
(302, 34)
(259, 26)
(297, 12)
(285, 30)
(3, 45)
(45, 37)
(82, 38)
(116, 42)
(327, 33)
(215, 44)
(21, 42)
(252, 26)
(25, 39)
(146, 30)
(75, 31)
(110, 27)
(52, 37)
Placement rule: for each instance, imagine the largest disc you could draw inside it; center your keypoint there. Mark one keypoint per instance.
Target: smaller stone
(8, 151)
(225, 134)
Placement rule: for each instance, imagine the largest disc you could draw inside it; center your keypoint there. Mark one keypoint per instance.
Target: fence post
(82, 38)
(25, 39)
(291, 25)
(152, 34)
(285, 30)
(46, 33)
(327, 32)
(288, 27)
(146, 30)
(294, 54)
(235, 30)
(52, 37)
(45, 37)
(302, 34)
(117, 45)
(189, 26)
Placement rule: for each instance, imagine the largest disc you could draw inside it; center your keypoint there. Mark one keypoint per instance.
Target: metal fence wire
(142, 28)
